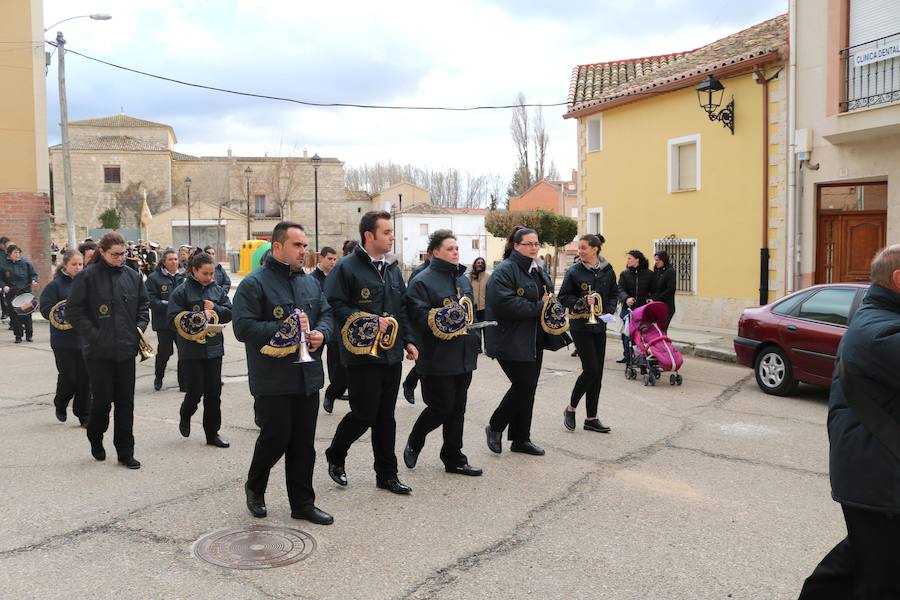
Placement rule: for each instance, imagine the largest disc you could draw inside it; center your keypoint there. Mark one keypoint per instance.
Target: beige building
(24, 176)
(400, 195)
(844, 168)
(118, 160)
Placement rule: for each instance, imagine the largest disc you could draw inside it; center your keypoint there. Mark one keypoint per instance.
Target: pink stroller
(652, 349)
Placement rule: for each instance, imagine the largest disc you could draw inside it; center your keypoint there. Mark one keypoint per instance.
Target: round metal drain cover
(256, 547)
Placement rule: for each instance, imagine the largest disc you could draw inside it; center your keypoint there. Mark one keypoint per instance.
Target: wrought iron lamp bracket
(726, 116)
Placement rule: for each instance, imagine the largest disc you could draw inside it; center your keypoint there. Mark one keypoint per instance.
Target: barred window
(683, 256)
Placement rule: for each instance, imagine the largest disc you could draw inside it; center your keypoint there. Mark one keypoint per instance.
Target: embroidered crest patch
(278, 312)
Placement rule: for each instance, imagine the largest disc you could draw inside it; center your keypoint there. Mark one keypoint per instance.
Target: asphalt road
(709, 490)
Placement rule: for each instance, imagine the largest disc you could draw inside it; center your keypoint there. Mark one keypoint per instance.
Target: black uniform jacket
(222, 279)
(636, 283)
(56, 290)
(189, 296)
(319, 275)
(262, 301)
(160, 284)
(17, 275)
(355, 285)
(106, 306)
(664, 287)
(578, 281)
(515, 301)
(429, 289)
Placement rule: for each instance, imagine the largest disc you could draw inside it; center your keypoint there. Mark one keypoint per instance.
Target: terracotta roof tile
(120, 120)
(115, 143)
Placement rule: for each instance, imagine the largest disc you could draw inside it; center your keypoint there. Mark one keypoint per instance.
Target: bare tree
(553, 173)
(130, 202)
(521, 135)
(540, 139)
(282, 181)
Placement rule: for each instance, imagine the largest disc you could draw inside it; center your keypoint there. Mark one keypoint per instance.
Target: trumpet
(144, 346)
(593, 309)
(385, 339)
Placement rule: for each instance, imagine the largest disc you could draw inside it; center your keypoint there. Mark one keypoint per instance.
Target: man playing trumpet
(273, 307)
(367, 293)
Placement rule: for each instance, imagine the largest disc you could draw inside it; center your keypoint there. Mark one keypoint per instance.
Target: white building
(415, 224)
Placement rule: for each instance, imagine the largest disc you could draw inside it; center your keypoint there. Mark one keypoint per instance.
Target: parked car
(795, 339)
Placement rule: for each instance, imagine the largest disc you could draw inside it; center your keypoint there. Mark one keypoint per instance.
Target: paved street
(710, 490)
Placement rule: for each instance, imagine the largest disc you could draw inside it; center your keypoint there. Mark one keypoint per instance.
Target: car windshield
(829, 306)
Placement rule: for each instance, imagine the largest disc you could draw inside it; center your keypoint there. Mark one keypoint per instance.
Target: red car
(796, 338)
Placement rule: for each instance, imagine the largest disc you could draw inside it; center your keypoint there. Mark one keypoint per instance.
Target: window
(574, 213)
(789, 306)
(683, 258)
(423, 228)
(684, 164)
(595, 220)
(112, 175)
(260, 205)
(829, 306)
(595, 133)
(476, 244)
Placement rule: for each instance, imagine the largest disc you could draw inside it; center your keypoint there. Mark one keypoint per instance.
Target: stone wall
(25, 219)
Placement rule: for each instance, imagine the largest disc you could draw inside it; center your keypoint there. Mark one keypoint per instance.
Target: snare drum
(25, 304)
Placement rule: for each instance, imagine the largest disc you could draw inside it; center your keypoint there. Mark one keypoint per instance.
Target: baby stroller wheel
(657, 374)
(630, 373)
(678, 379)
(672, 379)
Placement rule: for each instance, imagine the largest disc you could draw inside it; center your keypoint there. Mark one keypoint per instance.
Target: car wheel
(774, 374)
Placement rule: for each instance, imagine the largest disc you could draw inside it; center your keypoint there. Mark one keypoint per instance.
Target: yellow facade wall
(628, 178)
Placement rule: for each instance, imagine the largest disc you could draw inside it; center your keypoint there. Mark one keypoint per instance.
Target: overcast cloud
(459, 53)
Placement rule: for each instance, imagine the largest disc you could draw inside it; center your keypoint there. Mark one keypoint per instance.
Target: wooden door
(846, 243)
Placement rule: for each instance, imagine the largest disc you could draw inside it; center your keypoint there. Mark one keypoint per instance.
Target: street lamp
(64, 123)
(187, 185)
(709, 93)
(316, 161)
(248, 172)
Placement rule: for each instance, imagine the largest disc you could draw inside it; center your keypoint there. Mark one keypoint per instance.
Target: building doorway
(851, 227)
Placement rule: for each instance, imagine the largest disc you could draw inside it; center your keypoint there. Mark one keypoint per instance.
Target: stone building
(117, 159)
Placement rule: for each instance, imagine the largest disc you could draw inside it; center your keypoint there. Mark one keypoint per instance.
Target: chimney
(305, 153)
(229, 151)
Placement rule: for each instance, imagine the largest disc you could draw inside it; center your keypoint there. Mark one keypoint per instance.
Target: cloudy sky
(460, 53)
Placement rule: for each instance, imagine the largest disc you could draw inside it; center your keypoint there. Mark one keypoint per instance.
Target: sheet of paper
(608, 318)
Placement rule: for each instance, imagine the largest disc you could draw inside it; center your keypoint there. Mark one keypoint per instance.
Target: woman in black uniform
(193, 304)
(587, 283)
(515, 294)
(18, 277)
(635, 288)
(160, 284)
(109, 309)
(72, 380)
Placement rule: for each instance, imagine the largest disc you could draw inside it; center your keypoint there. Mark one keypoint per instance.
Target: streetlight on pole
(64, 123)
(248, 172)
(316, 161)
(187, 184)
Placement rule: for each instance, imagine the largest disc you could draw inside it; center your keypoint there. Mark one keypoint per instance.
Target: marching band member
(18, 277)
(337, 374)
(160, 285)
(516, 294)
(589, 287)
(273, 307)
(87, 249)
(222, 278)
(441, 304)
(3, 260)
(72, 380)
(367, 294)
(195, 303)
(412, 378)
(109, 308)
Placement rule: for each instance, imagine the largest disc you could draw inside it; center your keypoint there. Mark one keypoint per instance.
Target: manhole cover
(257, 547)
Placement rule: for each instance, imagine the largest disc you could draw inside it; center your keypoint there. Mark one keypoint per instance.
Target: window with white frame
(476, 244)
(683, 260)
(684, 164)
(595, 133)
(260, 205)
(423, 228)
(595, 220)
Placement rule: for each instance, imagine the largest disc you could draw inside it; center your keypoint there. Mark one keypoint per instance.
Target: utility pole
(64, 129)
(248, 172)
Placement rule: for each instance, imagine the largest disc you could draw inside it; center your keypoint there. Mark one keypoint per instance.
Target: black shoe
(409, 394)
(256, 503)
(29, 339)
(130, 462)
(527, 448)
(83, 421)
(328, 404)
(157, 383)
(622, 360)
(184, 426)
(344, 396)
(494, 440)
(337, 474)
(61, 414)
(313, 515)
(97, 450)
(595, 425)
(575, 352)
(181, 388)
(569, 419)
(410, 456)
(217, 441)
(465, 469)
(393, 486)
(18, 340)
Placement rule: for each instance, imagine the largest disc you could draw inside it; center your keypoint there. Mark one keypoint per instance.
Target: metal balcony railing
(871, 73)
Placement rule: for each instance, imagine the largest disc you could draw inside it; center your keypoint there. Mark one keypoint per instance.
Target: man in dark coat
(412, 378)
(222, 278)
(337, 374)
(864, 437)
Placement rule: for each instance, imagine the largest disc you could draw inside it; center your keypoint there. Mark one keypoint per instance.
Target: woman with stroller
(590, 281)
(664, 285)
(635, 289)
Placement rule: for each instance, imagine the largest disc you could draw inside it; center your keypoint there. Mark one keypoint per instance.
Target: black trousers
(287, 427)
(412, 379)
(112, 382)
(445, 404)
(20, 324)
(592, 352)
(72, 381)
(164, 351)
(865, 565)
(203, 378)
(517, 406)
(373, 398)
(337, 373)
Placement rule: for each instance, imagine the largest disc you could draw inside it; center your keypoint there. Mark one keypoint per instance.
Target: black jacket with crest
(160, 283)
(578, 281)
(189, 296)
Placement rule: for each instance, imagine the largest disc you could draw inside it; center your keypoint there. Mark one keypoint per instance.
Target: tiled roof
(180, 156)
(115, 143)
(430, 209)
(358, 195)
(120, 120)
(596, 84)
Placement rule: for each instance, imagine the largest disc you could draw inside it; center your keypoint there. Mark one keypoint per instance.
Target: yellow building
(658, 172)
